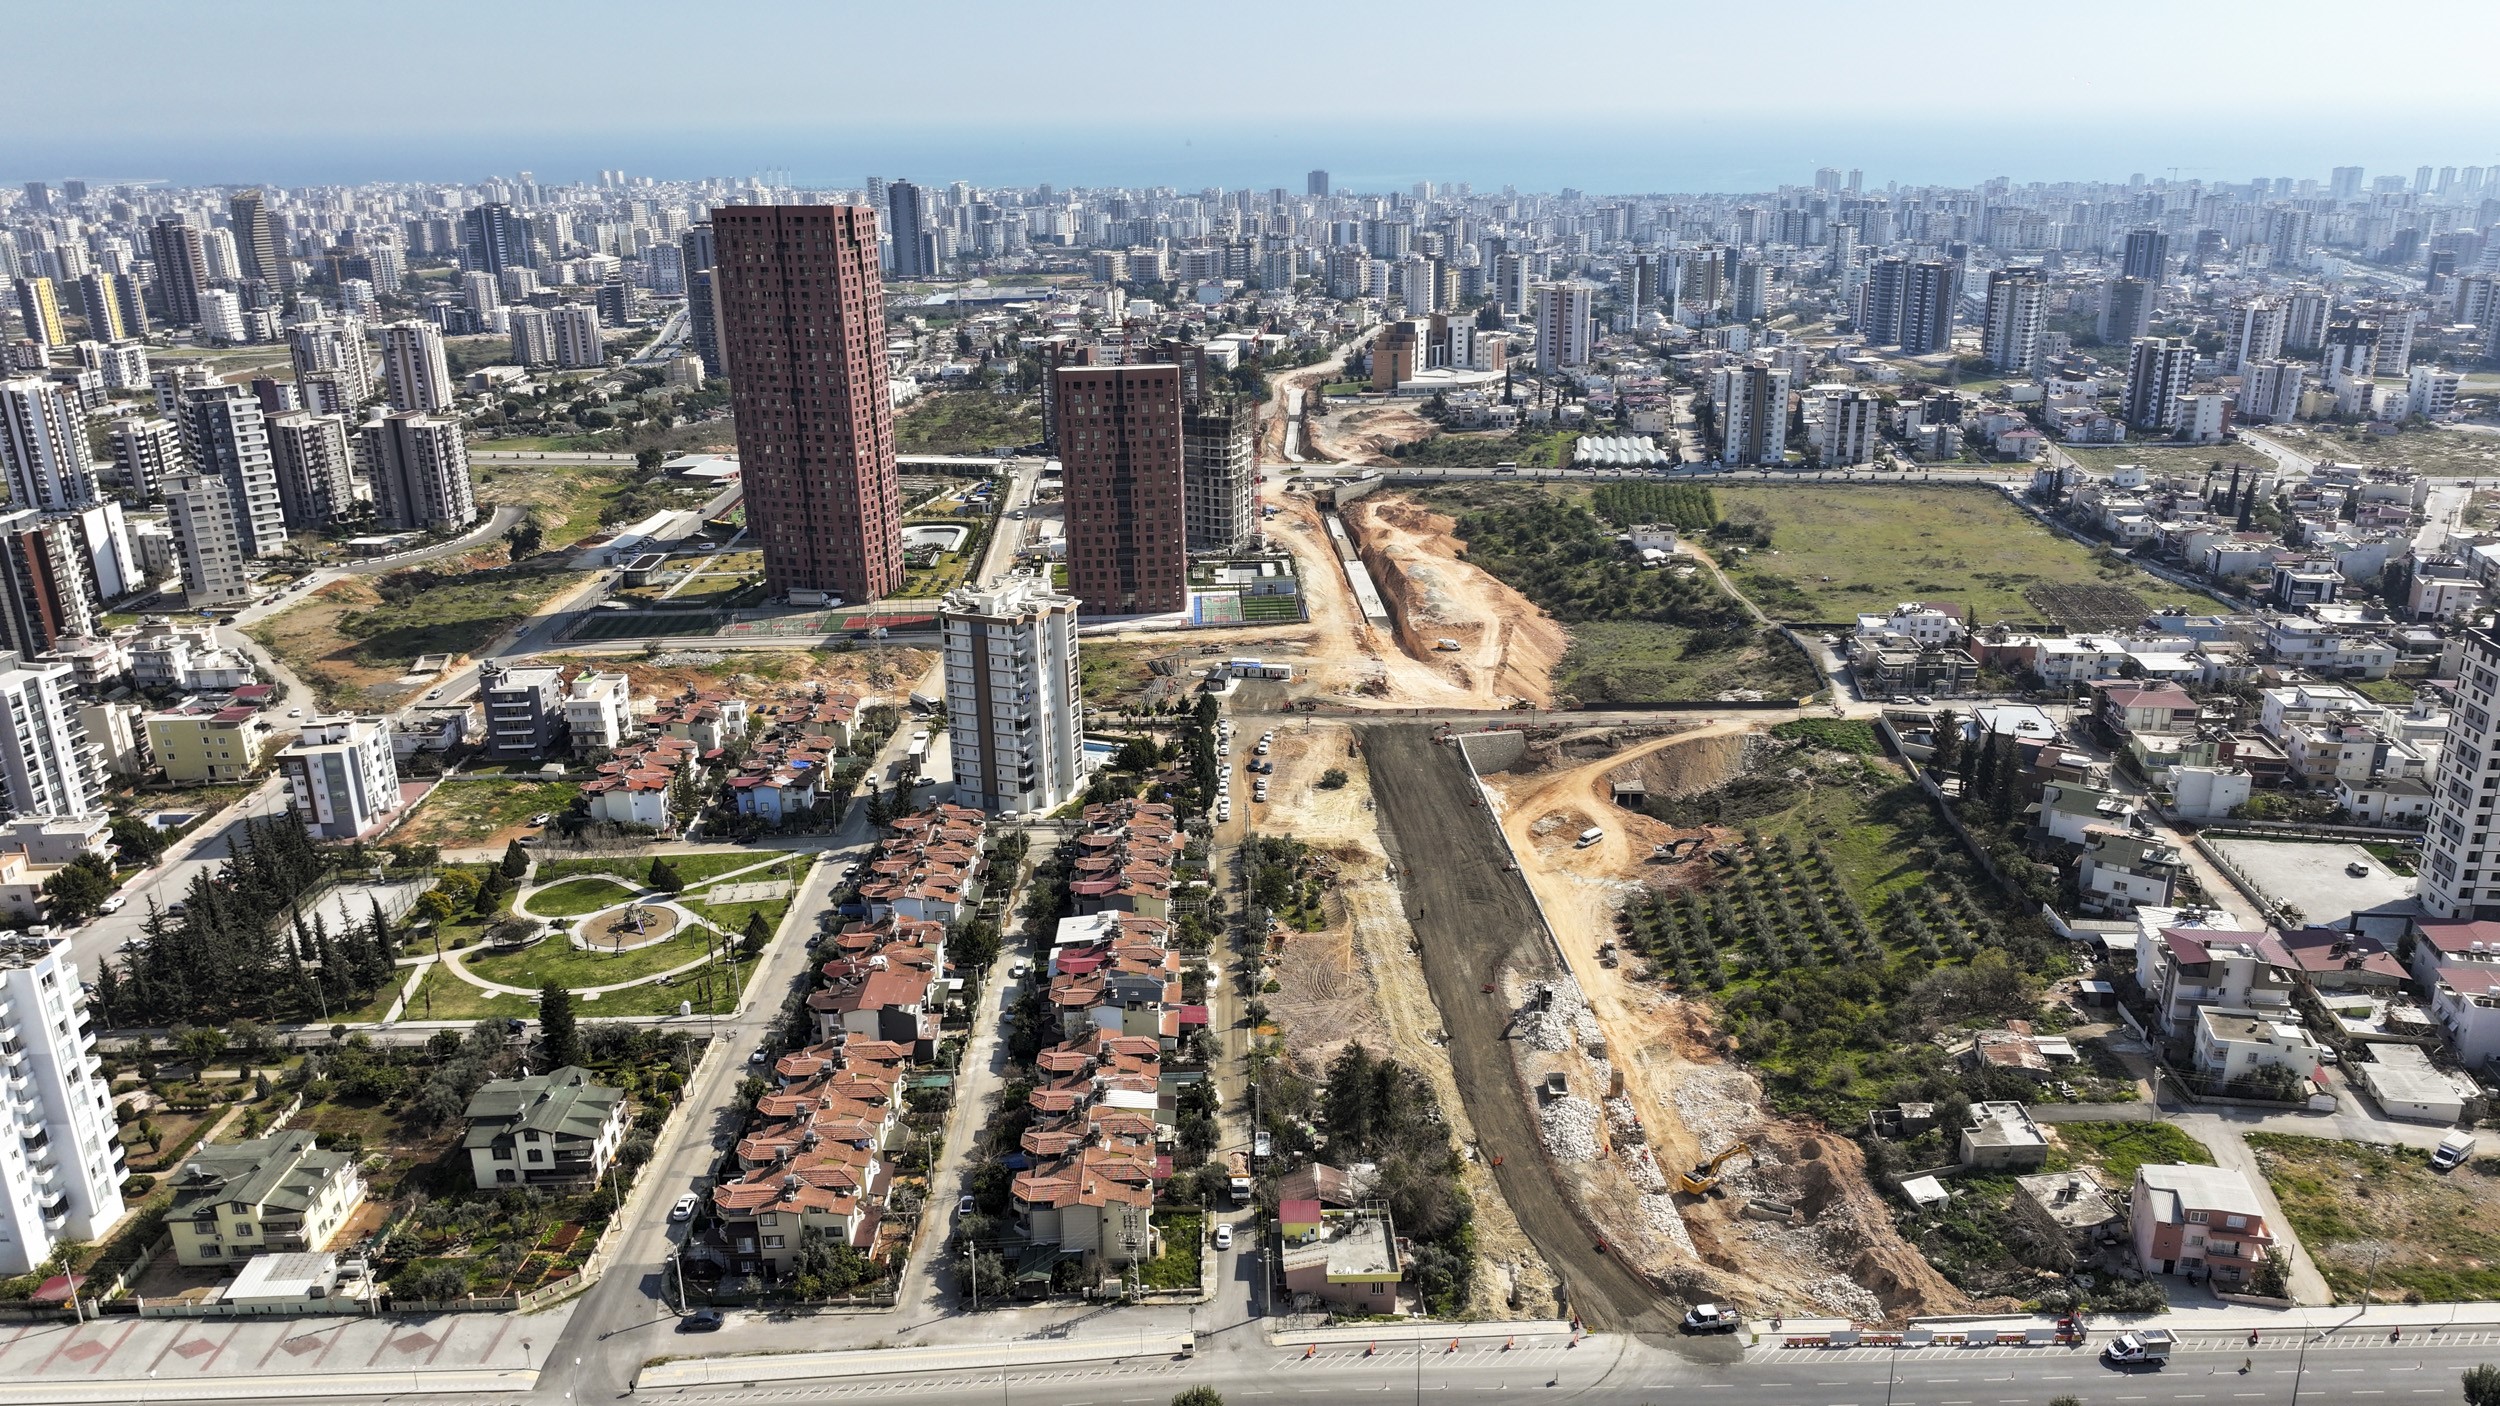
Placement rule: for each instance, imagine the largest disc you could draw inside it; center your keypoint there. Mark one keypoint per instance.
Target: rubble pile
(1569, 1127)
(1556, 1028)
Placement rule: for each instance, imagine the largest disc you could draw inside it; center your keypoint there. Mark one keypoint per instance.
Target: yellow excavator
(1703, 1179)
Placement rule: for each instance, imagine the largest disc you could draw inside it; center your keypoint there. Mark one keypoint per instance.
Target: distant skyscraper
(414, 374)
(1315, 183)
(914, 242)
(420, 470)
(802, 325)
(2016, 301)
(2147, 256)
(1565, 324)
(43, 445)
(334, 348)
(695, 252)
(493, 238)
(1753, 290)
(533, 336)
(2126, 310)
(1119, 438)
(258, 248)
(2157, 375)
(2345, 184)
(181, 269)
(315, 468)
(39, 305)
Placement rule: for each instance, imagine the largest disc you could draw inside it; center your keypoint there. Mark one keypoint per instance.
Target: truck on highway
(2144, 1347)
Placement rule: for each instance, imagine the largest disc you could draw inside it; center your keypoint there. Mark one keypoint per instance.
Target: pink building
(2202, 1222)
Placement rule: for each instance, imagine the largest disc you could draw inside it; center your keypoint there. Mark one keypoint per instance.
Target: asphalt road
(1474, 920)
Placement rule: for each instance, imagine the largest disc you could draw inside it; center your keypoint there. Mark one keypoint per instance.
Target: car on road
(1923, 700)
(176, 909)
(114, 904)
(434, 695)
(1223, 1237)
(1709, 1318)
(964, 1205)
(702, 1320)
(2145, 1347)
(295, 712)
(684, 1209)
(2357, 869)
(542, 817)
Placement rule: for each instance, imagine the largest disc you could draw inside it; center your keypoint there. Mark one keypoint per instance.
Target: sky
(1607, 95)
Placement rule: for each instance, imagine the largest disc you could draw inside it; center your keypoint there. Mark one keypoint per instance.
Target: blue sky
(1614, 96)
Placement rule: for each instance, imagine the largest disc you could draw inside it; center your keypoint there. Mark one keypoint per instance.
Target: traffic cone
(1371, 1350)
(1509, 1343)
(1308, 1349)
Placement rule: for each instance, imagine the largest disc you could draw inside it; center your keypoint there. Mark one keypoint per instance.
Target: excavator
(1703, 1179)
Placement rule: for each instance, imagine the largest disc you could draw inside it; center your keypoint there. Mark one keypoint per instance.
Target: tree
(75, 893)
(198, 1044)
(516, 860)
(2482, 1385)
(433, 1282)
(523, 540)
(759, 933)
(557, 1037)
(665, 878)
(1199, 1396)
(1948, 758)
(138, 839)
(1333, 778)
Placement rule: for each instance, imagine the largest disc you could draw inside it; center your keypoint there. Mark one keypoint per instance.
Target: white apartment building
(43, 445)
(1014, 716)
(146, 451)
(124, 365)
(419, 466)
(341, 776)
(1852, 429)
(2260, 340)
(47, 766)
(225, 434)
(221, 316)
(62, 1169)
(574, 328)
(2270, 391)
(2460, 877)
(1752, 403)
(1566, 324)
(316, 471)
(333, 347)
(2432, 393)
(414, 374)
(533, 335)
(2017, 297)
(599, 710)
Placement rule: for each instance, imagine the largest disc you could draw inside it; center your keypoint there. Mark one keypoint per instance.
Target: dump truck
(1239, 1165)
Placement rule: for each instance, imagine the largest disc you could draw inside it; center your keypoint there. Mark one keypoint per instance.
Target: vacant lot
(2193, 460)
(565, 499)
(353, 647)
(470, 814)
(2117, 1149)
(967, 422)
(2437, 1234)
(2450, 452)
(1838, 551)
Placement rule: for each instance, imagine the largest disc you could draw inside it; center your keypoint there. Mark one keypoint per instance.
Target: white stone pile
(1569, 1127)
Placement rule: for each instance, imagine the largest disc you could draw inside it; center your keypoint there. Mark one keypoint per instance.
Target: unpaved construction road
(1474, 918)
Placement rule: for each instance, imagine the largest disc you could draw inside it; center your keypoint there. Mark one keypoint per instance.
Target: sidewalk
(2242, 1319)
(880, 1362)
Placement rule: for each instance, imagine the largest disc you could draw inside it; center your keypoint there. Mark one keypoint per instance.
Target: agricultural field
(2436, 1234)
(1684, 505)
(1528, 448)
(1835, 552)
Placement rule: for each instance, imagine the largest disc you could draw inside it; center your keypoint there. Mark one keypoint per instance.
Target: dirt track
(1474, 920)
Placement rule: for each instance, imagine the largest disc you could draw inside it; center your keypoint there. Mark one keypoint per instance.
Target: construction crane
(1704, 1177)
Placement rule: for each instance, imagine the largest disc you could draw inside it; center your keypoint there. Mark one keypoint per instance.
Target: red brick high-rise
(802, 326)
(1119, 442)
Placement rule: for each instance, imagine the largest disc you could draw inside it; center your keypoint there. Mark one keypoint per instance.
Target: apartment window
(769, 1218)
(772, 1242)
(537, 1156)
(2235, 1222)
(2198, 1218)
(503, 1154)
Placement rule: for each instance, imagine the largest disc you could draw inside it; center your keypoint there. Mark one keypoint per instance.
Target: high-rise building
(479, 292)
(2260, 336)
(1934, 286)
(1880, 300)
(419, 466)
(1014, 711)
(47, 765)
(39, 305)
(1852, 428)
(493, 238)
(315, 467)
(145, 451)
(200, 510)
(2126, 311)
(1752, 404)
(1119, 440)
(115, 311)
(341, 775)
(695, 252)
(2270, 391)
(414, 374)
(2351, 351)
(2157, 375)
(221, 317)
(181, 269)
(2305, 320)
(2392, 355)
(334, 347)
(2345, 183)
(48, 588)
(1753, 290)
(1566, 324)
(2017, 298)
(533, 336)
(1316, 184)
(915, 243)
(2460, 878)
(43, 446)
(1220, 471)
(802, 323)
(63, 1181)
(123, 365)
(259, 250)
(574, 330)
(226, 434)
(2147, 256)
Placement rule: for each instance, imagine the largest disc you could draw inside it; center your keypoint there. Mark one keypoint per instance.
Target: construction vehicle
(1703, 1179)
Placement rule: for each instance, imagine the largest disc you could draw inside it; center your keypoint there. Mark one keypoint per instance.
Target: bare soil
(1507, 647)
(1360, 979)
(1682, 1101)
(1364, 433)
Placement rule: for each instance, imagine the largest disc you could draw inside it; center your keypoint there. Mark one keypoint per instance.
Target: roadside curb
(867, 1362)
(119, 1390)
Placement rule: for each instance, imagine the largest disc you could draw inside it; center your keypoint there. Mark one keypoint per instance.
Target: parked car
(1223, 1237)
(683, 1211)
(964, 1205)
(1709, 1318)
(542, 817)
(702, 1320)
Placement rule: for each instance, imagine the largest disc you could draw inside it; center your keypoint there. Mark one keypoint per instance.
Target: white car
(114, 904)
(1223, 1237)
(684, 1209)
(542, 817)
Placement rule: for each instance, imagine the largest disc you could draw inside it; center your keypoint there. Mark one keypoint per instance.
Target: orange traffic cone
(1371, 1350)
(1308, 1350)
(1453, 1344)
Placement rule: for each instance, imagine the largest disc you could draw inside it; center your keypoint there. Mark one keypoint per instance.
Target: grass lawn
(1881, 546)
(442, 996)
(966, 422)
(555, 959)
(2119, 1148)
(1177, 1266)
(2441, 1230)
(462, 813)
(693, 868)
(732, 917)
(574, 897)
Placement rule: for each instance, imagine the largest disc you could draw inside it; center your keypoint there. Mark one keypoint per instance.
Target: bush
(431, 1281)
(1332, 779)
(139, 1184)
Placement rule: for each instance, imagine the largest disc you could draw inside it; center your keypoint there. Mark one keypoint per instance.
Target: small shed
(1925, 1192)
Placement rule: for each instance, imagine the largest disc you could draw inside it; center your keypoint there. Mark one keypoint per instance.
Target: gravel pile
(1718, 1103)
(1668, 1222)
(1846, 1297)
(1623, 1117)
(681, 658)
(1554, 1028)
(1569, 1127)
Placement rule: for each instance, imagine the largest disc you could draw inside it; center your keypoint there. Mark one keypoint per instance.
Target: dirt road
(1474, 920)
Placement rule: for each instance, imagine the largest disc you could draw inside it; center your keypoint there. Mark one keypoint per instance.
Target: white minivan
(1590, 836)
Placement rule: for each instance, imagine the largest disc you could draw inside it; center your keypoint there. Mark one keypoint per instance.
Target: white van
(1590, 836)
(2452, 1149)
